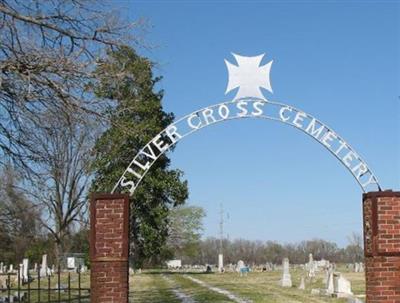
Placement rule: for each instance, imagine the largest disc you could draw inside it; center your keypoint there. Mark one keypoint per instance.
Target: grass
(150, 287)
(257, 287)
(153, 287)
(53, 295)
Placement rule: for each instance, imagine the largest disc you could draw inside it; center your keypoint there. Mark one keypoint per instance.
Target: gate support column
(109, 228)
(382, 246)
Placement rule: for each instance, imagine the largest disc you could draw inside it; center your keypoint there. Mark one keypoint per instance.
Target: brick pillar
(109, 225)
(382, 246)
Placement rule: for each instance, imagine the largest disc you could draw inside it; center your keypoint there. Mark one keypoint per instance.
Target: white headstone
(25, 270)
(330, 289)
(1, 267)
(361, 267)
(286, 277)
(43, 268)
(311, 271)
(342, 286)
(11, 269)
(71, 263)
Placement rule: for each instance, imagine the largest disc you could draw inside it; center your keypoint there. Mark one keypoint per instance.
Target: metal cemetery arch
(110, 212)
(246, 108)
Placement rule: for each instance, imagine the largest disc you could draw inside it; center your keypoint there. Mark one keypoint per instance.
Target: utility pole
(221, 238)
(221, 229)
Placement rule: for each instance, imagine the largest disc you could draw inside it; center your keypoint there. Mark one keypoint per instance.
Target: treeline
(258, 252)
(22, 234)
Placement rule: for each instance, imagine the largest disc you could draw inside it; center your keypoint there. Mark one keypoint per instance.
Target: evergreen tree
(137, 116)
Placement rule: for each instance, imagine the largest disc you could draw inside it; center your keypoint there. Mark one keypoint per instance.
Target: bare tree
(354, 250)
(59, 186)
(48, 50)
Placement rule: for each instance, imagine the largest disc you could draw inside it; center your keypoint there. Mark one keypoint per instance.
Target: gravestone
(342, 286)
(286, 280)
(302, 284)
(35, 267)
(71, 263)
(25, 270)
(311, 266)
(330, 287)
(43, 268)
(244, 271)
(362, 269)
(11, 269)
(239, 266)
(311, 272)
(326, 277)
(322, 263)
(356, 267)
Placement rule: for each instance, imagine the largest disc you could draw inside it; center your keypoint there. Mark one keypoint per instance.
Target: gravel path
(177, 292)
(219, 290)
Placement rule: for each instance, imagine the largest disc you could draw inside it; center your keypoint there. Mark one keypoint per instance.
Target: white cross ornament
(249, 76)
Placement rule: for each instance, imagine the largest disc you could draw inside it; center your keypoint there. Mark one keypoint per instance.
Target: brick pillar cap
(107, 196)
(385, 193)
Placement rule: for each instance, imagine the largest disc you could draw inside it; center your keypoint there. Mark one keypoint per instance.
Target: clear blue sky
(339, 62)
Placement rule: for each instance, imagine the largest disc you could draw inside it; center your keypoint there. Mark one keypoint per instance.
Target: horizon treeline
(261, 252)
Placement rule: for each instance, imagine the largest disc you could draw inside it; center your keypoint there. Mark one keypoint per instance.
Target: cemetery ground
(72, 288)
(256, 287)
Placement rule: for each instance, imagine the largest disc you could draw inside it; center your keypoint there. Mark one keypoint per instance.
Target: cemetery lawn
(256, 287)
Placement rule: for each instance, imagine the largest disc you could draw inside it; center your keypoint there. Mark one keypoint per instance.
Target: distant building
(171, 264)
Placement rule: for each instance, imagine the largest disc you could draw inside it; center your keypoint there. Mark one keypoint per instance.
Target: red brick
(109, 240)
(382, 253)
